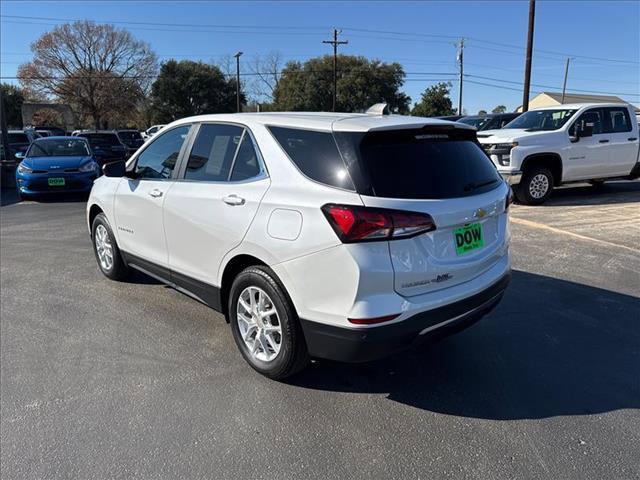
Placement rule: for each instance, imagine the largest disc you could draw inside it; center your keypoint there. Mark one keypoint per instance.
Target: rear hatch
(443, 172)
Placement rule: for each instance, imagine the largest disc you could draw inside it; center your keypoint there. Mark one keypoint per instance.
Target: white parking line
(542, 226)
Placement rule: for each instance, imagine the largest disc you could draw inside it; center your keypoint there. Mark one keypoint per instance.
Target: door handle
(632, 139)
(155, 193)
(603, 141)
(233, 200)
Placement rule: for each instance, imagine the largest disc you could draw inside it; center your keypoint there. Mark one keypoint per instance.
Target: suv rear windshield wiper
(474, 185)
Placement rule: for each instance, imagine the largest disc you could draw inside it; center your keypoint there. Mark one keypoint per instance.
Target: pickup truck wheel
(535, 187)
(264, 324)
(106, 249)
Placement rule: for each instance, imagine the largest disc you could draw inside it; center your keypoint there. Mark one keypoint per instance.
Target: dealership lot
(119, 380)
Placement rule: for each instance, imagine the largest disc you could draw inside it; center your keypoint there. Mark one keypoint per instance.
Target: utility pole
(335, 44)
(461, 66)
(566, 74)
(8, 155)
(527, 67)
(237, 55)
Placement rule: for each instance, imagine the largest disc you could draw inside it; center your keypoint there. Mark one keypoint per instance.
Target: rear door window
(419, 164)
(617, 120)
(213, 151)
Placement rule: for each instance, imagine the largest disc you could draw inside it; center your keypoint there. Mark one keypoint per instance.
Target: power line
(304, 30)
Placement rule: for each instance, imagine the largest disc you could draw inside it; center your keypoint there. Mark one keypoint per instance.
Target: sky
(602, 38)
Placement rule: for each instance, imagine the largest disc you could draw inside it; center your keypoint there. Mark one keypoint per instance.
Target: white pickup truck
(547, 147)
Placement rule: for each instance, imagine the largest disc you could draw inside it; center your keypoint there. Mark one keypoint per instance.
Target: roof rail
(378, 109)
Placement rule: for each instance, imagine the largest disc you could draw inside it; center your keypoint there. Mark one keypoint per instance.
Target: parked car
(492, 121)
(151, 131)
(132, 139)
(307, 254)
(105, 145)
(49, 131)
(54, 165)
(19, 141)
(548, 147)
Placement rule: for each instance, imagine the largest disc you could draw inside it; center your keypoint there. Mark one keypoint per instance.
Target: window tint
(246, 164)
(18, 138)
(213, 151)
(159, 159)
(417, 164)
(591, 118)
(618, 120)
(315, 154)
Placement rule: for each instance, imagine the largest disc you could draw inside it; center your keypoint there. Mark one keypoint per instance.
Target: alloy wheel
(104, 247)
(259, 324)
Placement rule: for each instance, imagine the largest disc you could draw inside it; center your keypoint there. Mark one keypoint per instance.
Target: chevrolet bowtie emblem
(480, 213)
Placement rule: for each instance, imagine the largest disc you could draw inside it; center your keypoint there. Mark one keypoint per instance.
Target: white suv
(340, 236)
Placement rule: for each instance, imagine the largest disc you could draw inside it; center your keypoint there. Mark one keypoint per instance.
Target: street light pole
(237, 55)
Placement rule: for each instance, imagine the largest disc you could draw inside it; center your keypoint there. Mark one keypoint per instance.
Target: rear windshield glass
(421, 165)
(18, 138)
(130, 135)
(101, 139)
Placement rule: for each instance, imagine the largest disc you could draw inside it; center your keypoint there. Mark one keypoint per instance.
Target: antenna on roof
(378, 109)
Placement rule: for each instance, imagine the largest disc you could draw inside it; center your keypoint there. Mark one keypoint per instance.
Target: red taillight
(509, 200)
(365, 224)
(371, 321)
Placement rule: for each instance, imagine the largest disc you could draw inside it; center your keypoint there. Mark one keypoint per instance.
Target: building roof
(584, 98)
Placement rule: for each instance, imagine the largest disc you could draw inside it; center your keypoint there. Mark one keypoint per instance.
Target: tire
(263, 333)
(102, 235)
(531, 190)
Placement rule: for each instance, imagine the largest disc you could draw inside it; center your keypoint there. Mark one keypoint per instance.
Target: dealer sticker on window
(468, 238)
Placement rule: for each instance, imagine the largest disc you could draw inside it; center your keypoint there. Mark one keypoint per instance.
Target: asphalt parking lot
(135, 380)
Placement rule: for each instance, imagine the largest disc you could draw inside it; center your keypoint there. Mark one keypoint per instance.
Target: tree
(101, 71)
(267, 70)
(188, 88)
(499, 109)
(435, 102)
(13, 99)
(482, 113)
(361, 83)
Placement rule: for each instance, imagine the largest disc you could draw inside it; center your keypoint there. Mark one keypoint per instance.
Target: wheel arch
(550, 160)
(233, 267)
(94, 211)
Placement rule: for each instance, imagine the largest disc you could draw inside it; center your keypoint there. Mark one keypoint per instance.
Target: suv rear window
(315, 154)
(421, 164)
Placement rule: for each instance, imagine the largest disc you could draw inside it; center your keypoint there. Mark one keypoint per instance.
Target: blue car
(54, 165)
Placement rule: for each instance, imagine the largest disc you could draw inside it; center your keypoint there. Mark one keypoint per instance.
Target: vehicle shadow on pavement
(610, 193)
(551, 348)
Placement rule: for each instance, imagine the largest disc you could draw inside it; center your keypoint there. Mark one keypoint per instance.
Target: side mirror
(19, 156)
(115, 169)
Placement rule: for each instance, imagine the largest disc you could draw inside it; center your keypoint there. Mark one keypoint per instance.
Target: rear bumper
(365, 344)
